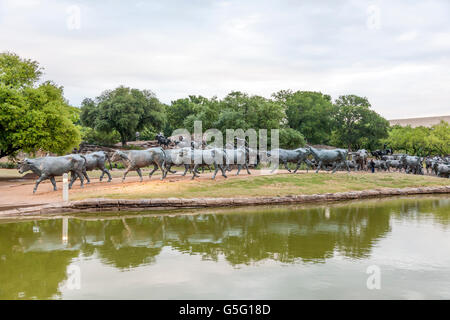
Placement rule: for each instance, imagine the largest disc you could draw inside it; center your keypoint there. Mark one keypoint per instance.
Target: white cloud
(440, 40)
(20, 4)
(178, 48)
(407, 36)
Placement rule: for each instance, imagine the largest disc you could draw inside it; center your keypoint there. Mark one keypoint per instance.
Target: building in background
(417, 122)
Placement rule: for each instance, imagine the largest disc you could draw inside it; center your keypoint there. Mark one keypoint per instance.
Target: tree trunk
(123, 139)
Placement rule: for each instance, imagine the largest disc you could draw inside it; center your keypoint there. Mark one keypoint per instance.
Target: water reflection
(34, 255)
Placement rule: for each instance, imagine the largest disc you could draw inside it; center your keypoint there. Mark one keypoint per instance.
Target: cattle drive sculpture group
(193, 156)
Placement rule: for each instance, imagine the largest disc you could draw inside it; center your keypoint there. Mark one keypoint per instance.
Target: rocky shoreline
(101, 204)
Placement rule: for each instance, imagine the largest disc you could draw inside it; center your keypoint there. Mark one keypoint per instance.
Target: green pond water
(374, 249)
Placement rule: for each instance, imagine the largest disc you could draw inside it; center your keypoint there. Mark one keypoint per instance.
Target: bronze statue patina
(333, 157)
(51, 167)
(97, 160)
(137, 159)
(297, 156)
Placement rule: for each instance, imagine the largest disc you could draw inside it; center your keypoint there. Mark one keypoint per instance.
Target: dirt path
(17, 192)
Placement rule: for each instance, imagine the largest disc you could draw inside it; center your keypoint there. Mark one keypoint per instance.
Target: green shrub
(148, 133)
(117, 165)
(291, 139)
(92, 136)
(8, 165)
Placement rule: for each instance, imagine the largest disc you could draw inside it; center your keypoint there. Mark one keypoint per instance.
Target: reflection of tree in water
(124, 248)
(26, 271)
(437, 210)
(117, 242)
(308, 234)
(35, 263)
(286, 235)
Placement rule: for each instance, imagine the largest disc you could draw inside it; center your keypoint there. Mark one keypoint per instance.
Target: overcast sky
(396, 53)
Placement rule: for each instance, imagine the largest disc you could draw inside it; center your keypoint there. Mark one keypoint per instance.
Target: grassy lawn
(273, 185)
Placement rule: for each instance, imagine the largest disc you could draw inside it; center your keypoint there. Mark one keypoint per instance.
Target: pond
(374, 249)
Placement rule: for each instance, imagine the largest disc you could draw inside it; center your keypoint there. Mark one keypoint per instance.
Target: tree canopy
(356, 125)
(17, 72)
(123, 109)
(308, 112)
(421, 140)
(302, 117)
(33, 116)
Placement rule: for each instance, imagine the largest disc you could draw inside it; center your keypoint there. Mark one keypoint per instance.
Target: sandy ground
(18, 192)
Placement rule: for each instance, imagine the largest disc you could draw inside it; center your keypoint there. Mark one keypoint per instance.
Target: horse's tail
(85, 160)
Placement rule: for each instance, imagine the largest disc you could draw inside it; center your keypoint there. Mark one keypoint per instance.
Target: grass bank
(257, 185)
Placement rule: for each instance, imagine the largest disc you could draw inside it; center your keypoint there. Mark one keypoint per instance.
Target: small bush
(8, 165)
(92, 136)
(291, 139)
(117, 165)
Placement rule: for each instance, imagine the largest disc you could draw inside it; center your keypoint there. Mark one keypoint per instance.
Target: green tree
(33, 116)
(230, 119)
(420, 140)
(309, 113)
(177, 112)
(93, 136)
(254, 112)
(291, 139)
(237, 110)
(124, 110)
(439, 138)
(356, 125)
(205, 110)
(17, 72)
(398, 138)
